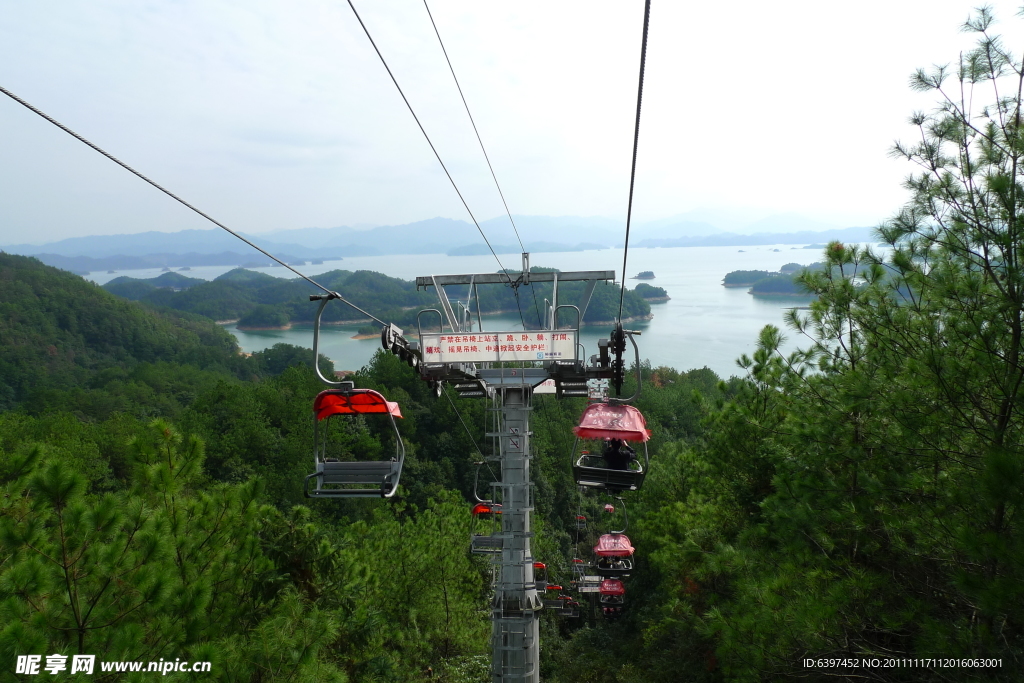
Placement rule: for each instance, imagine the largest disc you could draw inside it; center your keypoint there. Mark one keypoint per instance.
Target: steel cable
(178, 199)
(436, 154)
(636, 141)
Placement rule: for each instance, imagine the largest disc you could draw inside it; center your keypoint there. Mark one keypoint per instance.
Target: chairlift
(613, 597)
(613, 550)
(581, 523)
(481, 543)
(540, 576)
(617, 468)
(337, 478)
(566, 608)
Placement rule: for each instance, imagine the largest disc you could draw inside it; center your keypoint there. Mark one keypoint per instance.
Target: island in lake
(259, 301)
(643, 275)
(769, 283)
(650, 293)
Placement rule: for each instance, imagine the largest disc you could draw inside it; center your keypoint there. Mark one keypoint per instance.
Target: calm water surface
(704, 325)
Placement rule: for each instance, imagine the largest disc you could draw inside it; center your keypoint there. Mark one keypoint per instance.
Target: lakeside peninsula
(765, 283)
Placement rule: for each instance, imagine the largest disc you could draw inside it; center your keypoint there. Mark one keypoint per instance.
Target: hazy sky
(273, 115)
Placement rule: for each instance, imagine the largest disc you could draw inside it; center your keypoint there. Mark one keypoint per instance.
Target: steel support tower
(515, 608)
(481, 366)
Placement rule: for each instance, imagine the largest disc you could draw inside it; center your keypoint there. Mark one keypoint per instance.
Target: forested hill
(68, 344)
(259, 300)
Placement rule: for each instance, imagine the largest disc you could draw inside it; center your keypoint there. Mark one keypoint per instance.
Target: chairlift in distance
(484, 543)
(579, 572)
(567, 607)
(540, 576)
(613, 597)
(334, 477)
(613, 551)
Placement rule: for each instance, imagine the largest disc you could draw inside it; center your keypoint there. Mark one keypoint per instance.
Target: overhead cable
(429, 142)
(178, 199)
(470, 115)
(465, 426)
(501, 194)
(537, 307)
(636, 141)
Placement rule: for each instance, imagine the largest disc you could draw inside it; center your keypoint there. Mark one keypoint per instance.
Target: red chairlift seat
(486, 509)
(607, 421)
(612, 587)
(353, 402)
(353, 479)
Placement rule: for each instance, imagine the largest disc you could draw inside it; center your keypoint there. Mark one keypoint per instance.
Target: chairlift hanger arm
(625, 515)
(620, 370)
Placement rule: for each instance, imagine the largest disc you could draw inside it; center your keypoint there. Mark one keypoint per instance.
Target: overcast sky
(276, 115)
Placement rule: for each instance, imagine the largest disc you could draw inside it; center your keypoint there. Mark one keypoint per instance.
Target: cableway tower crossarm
(502, 278)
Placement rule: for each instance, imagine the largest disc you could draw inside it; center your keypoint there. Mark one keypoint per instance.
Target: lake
(704, 324)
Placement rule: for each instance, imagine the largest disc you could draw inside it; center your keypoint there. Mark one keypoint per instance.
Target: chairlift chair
(604, 422)
(480, 543)
(335, 478)
(540, 576)
(614, 567)
(566, 608)
(613, 597)
(613, 551)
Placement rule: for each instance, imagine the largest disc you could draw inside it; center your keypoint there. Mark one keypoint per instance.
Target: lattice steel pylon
(515, 608)
(507, 367)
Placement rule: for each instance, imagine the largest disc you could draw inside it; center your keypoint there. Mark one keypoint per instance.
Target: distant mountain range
(88, 264)
(432, 236)
(726, 239)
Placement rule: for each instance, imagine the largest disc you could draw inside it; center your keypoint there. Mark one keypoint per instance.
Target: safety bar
(440, 321)
(554, 316)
